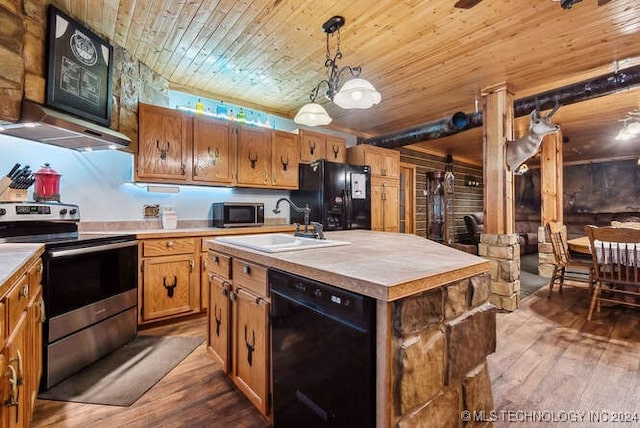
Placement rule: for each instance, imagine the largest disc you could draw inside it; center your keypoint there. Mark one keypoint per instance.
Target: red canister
(47, 184)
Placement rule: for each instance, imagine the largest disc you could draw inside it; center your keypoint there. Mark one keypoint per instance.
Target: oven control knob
(63, 211)
(3, 211)
(73, 211)
(317, 292)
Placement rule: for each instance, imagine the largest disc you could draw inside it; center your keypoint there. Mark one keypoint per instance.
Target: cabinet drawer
(250, 276)
(219, 264)
(165, 247)
(17, 301)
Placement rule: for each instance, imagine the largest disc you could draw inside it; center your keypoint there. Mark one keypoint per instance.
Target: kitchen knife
(14, 169)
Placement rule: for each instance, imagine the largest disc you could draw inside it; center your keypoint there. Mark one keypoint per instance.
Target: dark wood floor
(194, 394)
(549, 358)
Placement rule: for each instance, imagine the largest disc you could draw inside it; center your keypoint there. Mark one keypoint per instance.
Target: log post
(498, 181)
(499, 243)
(551, 198)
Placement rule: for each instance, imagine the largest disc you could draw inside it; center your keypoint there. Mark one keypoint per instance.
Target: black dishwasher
(323, 354)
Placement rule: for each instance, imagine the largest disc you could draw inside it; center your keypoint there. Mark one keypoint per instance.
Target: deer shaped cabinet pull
(163, 150)
(518, 151)
(312, 147)
(218, 314)
(250, 346)
(253, 160)
(213, 157)
(169, 287)
(284, 162)
(336, 151)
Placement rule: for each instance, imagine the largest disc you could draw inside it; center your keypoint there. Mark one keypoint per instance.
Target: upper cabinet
(314, 146)
(285, 160)
(176, 147)
(212, 155)
(383, 162)
(163, 144)
(253, 156)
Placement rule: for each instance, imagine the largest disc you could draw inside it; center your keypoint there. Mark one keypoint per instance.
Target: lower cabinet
(238, 325)
(169, 278)
(22, 311)
(169, 287)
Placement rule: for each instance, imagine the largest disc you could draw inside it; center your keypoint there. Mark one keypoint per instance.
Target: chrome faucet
(316, 232)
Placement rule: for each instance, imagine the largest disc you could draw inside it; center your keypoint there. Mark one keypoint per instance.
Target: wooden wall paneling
(136, 25)
(466, 199)
(551, 178)
(498, 181)
(124, 17)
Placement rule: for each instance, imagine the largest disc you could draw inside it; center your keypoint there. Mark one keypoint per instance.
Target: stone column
(503, 253)
(440, 341)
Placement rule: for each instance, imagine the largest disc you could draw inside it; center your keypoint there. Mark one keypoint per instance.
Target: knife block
(13, 195)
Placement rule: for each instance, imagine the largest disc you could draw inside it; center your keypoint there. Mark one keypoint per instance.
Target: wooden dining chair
(615, 252)
(566, 266)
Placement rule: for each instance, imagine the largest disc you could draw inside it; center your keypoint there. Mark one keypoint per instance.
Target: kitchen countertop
(385, 266)
(13, 258)
(194, 231)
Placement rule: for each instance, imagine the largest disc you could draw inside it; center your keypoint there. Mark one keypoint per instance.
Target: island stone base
(439, 343)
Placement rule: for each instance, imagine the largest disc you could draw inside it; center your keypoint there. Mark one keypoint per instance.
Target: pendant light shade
(357, 93)
(312, 114)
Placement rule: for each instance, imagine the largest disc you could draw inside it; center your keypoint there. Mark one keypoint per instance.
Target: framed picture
(79, 69)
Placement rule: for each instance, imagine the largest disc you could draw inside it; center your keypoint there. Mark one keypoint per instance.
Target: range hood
(50, 126)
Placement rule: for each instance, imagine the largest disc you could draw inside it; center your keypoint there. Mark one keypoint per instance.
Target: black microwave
(237, 214)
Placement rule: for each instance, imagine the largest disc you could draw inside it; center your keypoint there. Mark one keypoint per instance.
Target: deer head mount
(518, 151)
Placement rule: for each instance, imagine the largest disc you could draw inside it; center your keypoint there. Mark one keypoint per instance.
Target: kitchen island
(434, 325)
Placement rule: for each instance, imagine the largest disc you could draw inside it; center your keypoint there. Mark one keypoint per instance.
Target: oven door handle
(91, 249)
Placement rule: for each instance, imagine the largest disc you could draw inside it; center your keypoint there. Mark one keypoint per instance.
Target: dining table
(579, 245)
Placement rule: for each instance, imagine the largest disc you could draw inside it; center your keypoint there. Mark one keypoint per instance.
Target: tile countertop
(13, 258)
(385, 266)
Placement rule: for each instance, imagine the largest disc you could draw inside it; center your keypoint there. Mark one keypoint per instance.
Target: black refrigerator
(338, 194)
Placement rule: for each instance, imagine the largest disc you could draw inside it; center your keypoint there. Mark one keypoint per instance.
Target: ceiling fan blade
(466, 4)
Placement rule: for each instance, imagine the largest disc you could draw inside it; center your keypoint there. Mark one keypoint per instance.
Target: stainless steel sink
(278, 242)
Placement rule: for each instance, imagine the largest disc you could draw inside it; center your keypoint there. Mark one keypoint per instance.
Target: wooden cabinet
(385, 184)
(212, 151)
(163, 144)
(285, 160)
(335, 149)
(238, 324)
(385, 205)
(253, 161)
(21, 308)
(266, 158)
(169, 280)
(250, 336)
(175, 147)
(384, 163)
(314, 146)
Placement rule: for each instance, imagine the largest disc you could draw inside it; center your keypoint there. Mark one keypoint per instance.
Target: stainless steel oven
(90, 294)
(237, 214)
(89, 285)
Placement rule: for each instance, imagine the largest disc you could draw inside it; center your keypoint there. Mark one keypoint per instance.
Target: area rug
(124, 375)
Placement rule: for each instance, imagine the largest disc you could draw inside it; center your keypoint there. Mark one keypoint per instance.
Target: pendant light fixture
(356, 93)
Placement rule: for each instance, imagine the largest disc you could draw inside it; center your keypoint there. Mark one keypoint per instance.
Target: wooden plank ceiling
(427, 58)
